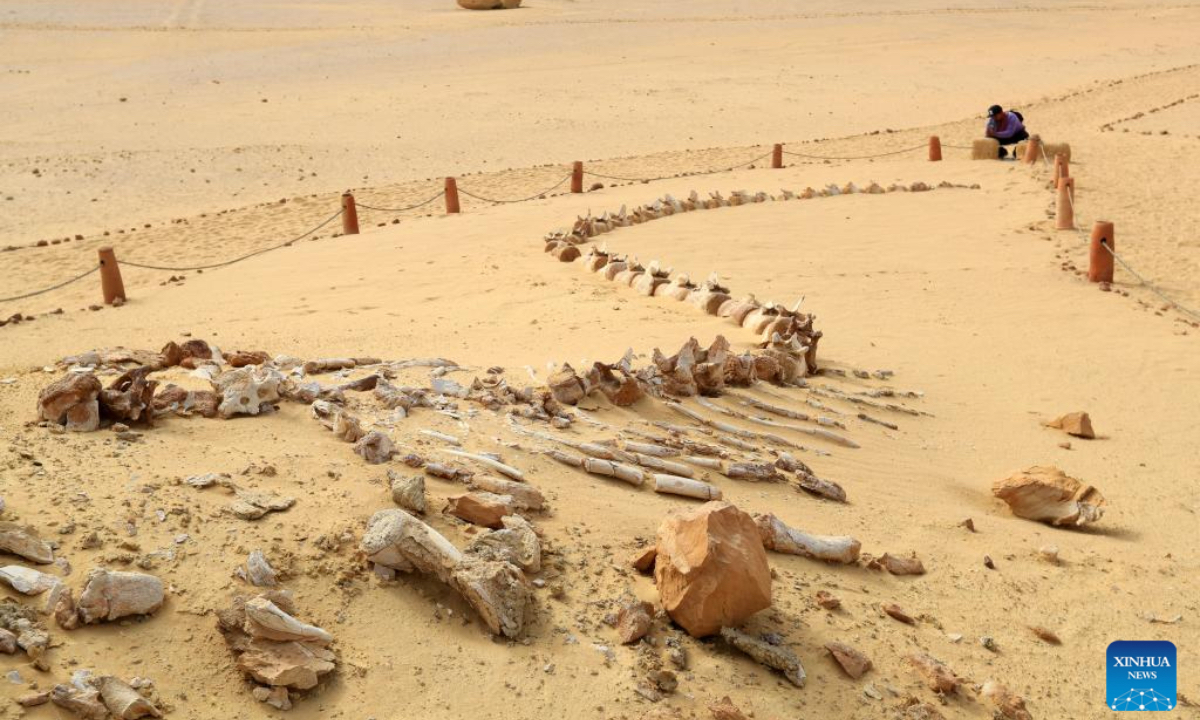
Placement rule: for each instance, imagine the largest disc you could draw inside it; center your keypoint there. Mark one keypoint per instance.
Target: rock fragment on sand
(489, 4)
(1049, 495)
(375, 447)
(711, 568)
(481, 508)
(724, 709)
(72, 401)
(23, 542)
(82, 701)
(643, 560)
(110, 595)
(1008, 704)
(853, 662)
(123, 701)
(524, 496)
(298, 663)
(253, 505)
(258, 571)
(408, 491)
(773, 656)
(1078, 424)
(911, 565)
(634, 620)
(8, 642)
(827, 600)
(940, 678)
(895, 611)
(516, 543)
(266, 620)
(130, 398)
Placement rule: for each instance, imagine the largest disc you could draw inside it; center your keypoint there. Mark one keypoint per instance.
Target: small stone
(852, 661)
(895, 611)
(1078, 424)
(634, 620)
(827, 600)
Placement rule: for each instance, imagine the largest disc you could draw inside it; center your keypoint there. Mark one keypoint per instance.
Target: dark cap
(995, 110)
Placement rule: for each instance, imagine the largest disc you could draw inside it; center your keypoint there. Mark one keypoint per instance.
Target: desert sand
(191, 133)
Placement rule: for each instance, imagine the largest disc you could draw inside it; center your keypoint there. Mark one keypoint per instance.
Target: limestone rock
(489, 4)
(247, 390)
(123, 701)
(375, 447)
(852, 661)
(253, 505)
(1049, 495)
(498, 592)
(516, 543)
(711, 569)
(634, 620)
(73, 401)
(292, 664)
(1078, 424)
(481, 508)
(110, 595)
(643, 560)
(24, 542)
(408, 491)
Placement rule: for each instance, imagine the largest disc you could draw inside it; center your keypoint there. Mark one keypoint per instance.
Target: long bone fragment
(674, 485)
(496, 465)
(814, 432)
(781, 538)
(656, 463)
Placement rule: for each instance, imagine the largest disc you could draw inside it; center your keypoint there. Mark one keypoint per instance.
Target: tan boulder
(293, 664)
(1049, 495)
(1078, 424)
(711, 569)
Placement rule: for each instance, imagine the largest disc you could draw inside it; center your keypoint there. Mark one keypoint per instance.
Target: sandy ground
(959, 291)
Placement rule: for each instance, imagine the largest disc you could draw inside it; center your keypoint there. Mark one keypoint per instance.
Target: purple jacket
(1013, 127)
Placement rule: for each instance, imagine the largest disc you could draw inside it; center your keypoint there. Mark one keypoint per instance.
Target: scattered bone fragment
(298, 662)
(709, 463)
(442, 436)
(448, 472)
(1078, 424)
(247, 390)
(72, 401)
(1049, 495)
(667, 466)
(82, 701)
(111, 595)
(266, 620)
(491, 464)
(253, 505)
(130, 398)
(753, 471)
(686, 487)
(940, 678)
(516, 542)
(852, 661)
(524, 496)
(346, 427)
(619, 471)
(8, 642)
(186, 403)
(895, 611)
(1049, 553)
(898, 565)
(777, 536)
(650, 449)
(634, 620)
(724, 709)
(313, 367)
(258, 571)
(1045, 635)
(375, 447)
(123, 701)
(773, 656)
(817, 486)
(1008, 704)
(23, 542)
(408, 491)
(481, 508)
(566, 386)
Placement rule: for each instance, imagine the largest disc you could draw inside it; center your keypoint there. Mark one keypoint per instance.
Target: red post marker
(1033, 148)
(111, 285)
(577, 177)
(451, 196)
(1065, 209)
(349, 215)
(935, 148)
(1062, 167)
(777, 157)
(1100, 262)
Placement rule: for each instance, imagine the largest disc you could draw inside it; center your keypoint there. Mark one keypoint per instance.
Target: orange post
(1100, 261)
(935, 148)
(349, 215)
(1065, 210)
(1033, 148)
(111, 285)
(577, 177)
(777, 157)
(1062, 167)
(451, 196)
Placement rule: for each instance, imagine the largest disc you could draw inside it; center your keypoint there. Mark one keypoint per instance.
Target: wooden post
(1100, 265)
(777, 157)
(451, 196)
(111, 285)
(349, 215)
(1033, 148)
(1065, 208)
(577, 177)
(935, 148)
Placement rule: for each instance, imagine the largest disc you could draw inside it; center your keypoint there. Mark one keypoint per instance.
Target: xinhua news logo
(1141, 676)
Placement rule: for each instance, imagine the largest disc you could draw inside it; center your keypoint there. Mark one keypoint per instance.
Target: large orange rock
(1049, 495)
(711, 568)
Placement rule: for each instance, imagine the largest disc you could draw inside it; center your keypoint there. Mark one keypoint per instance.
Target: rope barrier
(43, 291)
(858, 157)
(667, 177)
(423, 203)
(247, 256)
(1145, 283)
(525, 199)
